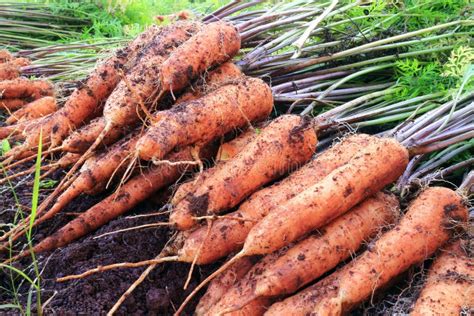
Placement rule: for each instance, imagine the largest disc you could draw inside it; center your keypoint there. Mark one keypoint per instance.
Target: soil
(161, 292)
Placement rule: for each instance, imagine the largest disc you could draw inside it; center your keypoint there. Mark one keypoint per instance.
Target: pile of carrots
(21, 99)
(285, 215)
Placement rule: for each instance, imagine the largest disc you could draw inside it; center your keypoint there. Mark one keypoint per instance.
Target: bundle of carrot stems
(266, 114)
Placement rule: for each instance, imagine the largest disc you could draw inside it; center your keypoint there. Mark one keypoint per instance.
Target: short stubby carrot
(411, 241)
(449, 288)
(199, 121)
(285, 144)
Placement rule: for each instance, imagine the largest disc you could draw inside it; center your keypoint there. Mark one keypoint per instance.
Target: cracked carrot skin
(411, 241)
(215, 114)
(374, 167)
(285, 144)
(449, 288)
(228, 235)
(214, 44)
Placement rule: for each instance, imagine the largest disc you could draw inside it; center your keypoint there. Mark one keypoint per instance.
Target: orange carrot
(214, 78)
(12, 104)
(21, 61)
(228, 107)
(216, 43)
(228, 235)
(9, 71)
(220, 285)
(23, 89)
(376, 166)
(230, 149)
(33, 110)
(427, 225)
(81, 139)
(449, 289)
(128, 195)
(5, 56)
(283, 145)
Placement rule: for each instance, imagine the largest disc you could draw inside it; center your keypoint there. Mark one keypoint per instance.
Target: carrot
(33, 110)
(21, 62)
(24, 88)
(284, 144)
(9, 71)
(377, 165)
(449, 288)
(228, 107)
(17, 130)
(130, 194)
(81, 139)
(220, 285)
(429, 222)
(5, 56)
(12, 104)
(228, 235)
(239, 293)
(216, 43)
(221, 75)
(86, 101)
(230, 149)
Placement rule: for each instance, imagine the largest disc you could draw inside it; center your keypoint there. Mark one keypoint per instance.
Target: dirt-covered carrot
(34, 110)
(22, 88)
(239, 293)
(228, 107)
(220, 285)
(212, 79)
(5, 56)
(128, 195)
(86, 101)
(9, 71)
(286, 143)
(230, 149)
(228, 235)
(216, 43)
(82, 138)
(429, 222)
(374, 167)
(449, 288)
(12, 104)
(21, 61)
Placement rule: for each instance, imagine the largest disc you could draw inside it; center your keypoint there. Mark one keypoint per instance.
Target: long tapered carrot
(128, 195)
(36, 109)
(449, 288)
(228, 235)
(318, 253)
(228, 107)
(429, 222)
(376, 166)
(86, 101)
(220, 285)
(22, 88)
(286, 143)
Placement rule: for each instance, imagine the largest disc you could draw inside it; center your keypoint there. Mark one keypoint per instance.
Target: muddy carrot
(22, 88)
(449, 288)
(12, 104)
(228, 235)
(34, 110)
(286, 143)
(411, 241)
(9, 71)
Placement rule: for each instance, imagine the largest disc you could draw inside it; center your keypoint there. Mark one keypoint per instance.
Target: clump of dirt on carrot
(388, 257)
(285, 144)
(449, 288)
